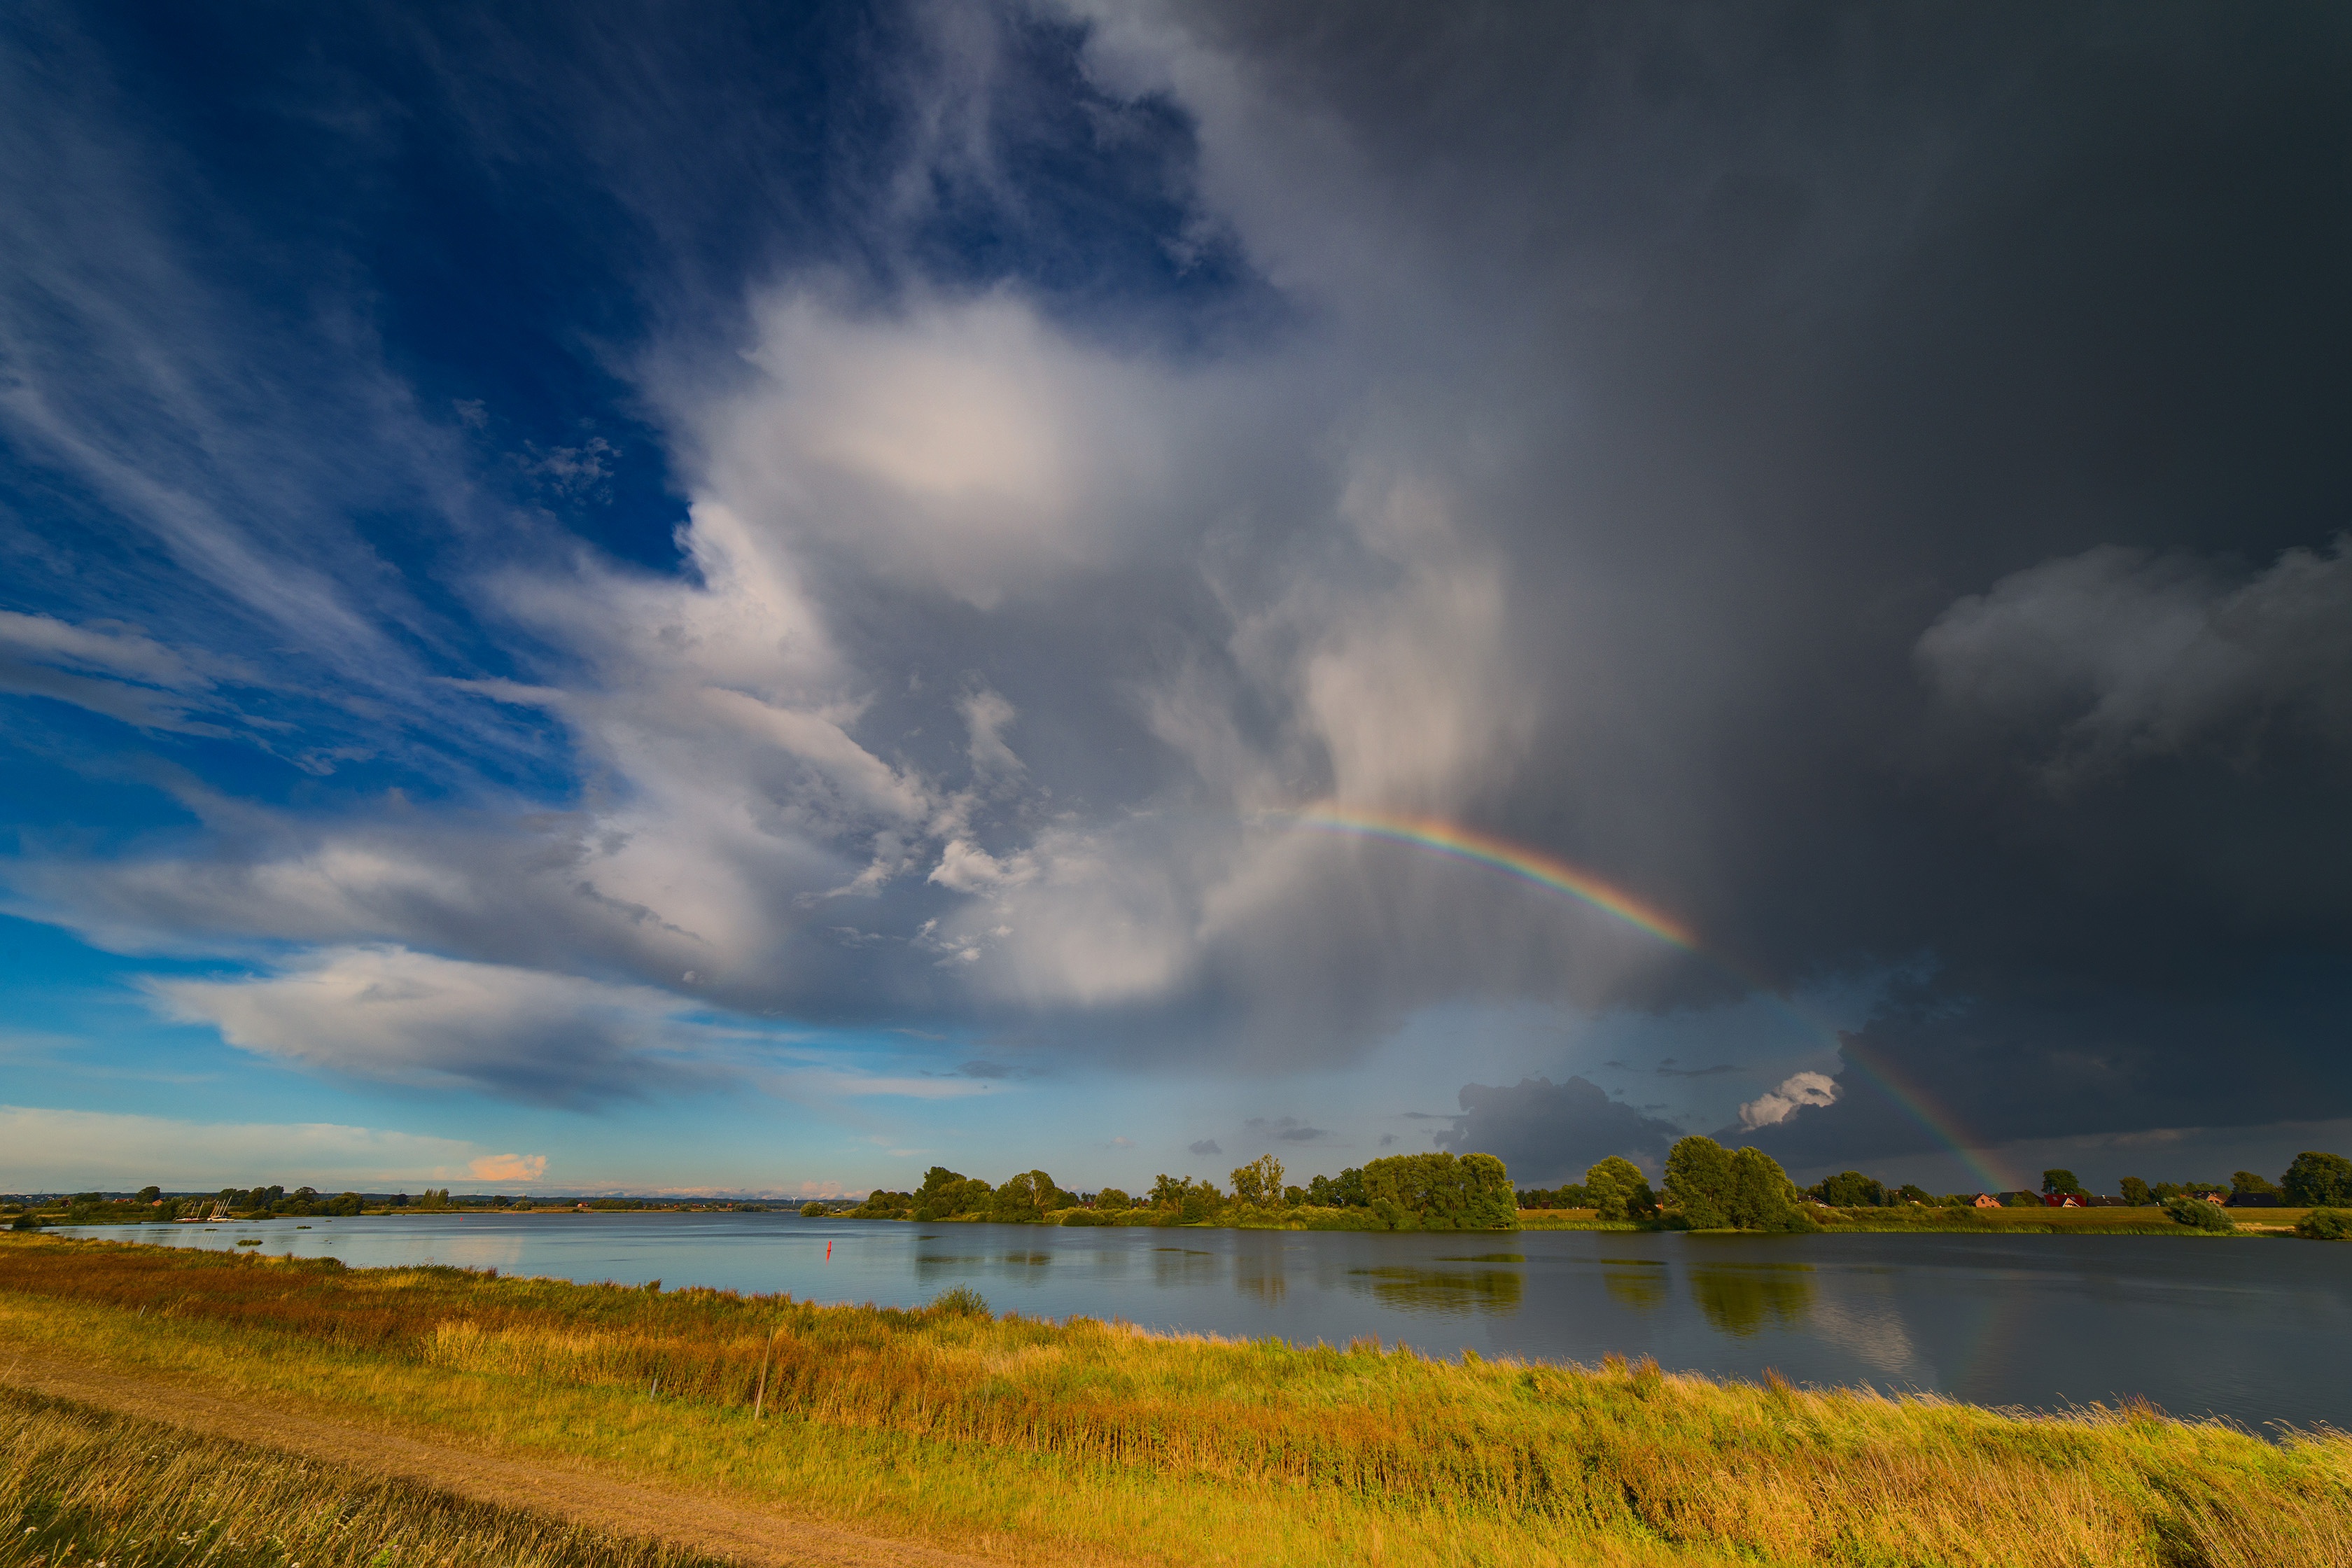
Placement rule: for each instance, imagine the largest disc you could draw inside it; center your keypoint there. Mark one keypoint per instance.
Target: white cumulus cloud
(1796, 1092)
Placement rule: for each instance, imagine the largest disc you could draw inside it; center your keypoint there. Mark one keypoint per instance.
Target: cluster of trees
(1707, 1187)
(2316, 1180)
(1615, 1189)
(150, 1203)
(1853, 1190)
(1023, 1199)
(1404, 1191)
(1710, 1187)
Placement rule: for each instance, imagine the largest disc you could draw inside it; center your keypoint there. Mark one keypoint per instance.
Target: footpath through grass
(1092, 1442)
(79, 1486)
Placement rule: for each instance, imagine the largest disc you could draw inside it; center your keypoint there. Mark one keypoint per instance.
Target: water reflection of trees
(1262, 1278)
(932, 1267)
(1737, 1298)
(1409, 1290)
(1643, 1289)
(1181, 1266)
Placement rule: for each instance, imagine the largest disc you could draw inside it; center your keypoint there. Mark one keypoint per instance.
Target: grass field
(83, 1487)
(1088, 1442)
(2151, 1221)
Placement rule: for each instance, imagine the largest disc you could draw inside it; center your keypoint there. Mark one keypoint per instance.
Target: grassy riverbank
(83, 1486)
(1090, 1442)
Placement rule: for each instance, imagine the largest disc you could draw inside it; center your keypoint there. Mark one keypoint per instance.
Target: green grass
(1087, 1442)
(84, 1487)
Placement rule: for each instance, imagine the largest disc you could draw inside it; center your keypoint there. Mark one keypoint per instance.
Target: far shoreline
(2108, 1221)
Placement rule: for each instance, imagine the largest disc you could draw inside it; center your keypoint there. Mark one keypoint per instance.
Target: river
(2254, 1330)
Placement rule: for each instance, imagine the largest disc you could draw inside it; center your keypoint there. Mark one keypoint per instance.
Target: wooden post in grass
(762, 1397)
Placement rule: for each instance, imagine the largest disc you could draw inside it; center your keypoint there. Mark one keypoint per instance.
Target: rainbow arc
(1453, 839)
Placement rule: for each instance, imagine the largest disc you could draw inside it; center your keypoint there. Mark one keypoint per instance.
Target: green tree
(1442, 1192)
(1346, 1190)
(2319, 1224)
(2249, 1181)
(1762, 1196)
(1192, 1202)
(1850, 1190)
(1715, 1189)
(1110, 1200)
(1027, 1198)
(1259, 1183)
(2316, 1180)
(1618, 1190)
(1699, 1182)
(945, 1194)
(2198, 1214)
(2061, 1183)
(2136, 1193)
(149, 1194)
(1910, 1193)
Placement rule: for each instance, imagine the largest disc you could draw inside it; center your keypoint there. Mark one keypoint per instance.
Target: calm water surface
(2259, 1331)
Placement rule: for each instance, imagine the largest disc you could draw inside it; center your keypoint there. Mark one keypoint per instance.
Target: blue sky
(704, 599)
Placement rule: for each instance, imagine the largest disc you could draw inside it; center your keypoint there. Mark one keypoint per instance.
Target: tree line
(1707, 1187)
(2315, 1180)
(1404, 1191)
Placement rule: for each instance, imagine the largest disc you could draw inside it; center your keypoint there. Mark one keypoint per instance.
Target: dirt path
(692, 1519)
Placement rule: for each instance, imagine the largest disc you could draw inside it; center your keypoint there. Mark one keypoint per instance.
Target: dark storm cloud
(1865, 480)
(1203, 1146)
(1945, 479)
(1549, 1132)
(1289, 1129)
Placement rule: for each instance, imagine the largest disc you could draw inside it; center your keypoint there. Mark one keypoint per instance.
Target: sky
(740, 598)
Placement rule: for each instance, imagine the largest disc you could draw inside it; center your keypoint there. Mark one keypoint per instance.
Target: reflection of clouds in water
(1737, 1298)
(1872, 1331)
(1442, 1293)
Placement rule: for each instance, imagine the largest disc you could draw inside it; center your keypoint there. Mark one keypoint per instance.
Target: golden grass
(81, 1486)
(1089, 1442)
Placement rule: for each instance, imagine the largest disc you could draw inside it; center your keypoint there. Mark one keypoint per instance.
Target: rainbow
(1486, 849)
(1453, 839)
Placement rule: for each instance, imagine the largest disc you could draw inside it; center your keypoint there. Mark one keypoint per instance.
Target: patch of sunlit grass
(84, 1487)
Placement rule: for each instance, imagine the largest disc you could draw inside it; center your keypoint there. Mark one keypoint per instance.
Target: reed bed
(83, 1487)
(1424, 1459)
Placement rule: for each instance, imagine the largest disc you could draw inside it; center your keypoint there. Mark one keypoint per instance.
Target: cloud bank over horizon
(584, 594)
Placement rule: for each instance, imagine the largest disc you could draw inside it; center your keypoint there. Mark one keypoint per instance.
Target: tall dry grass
(82, 1487)
(1371, 1442)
